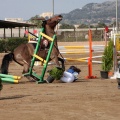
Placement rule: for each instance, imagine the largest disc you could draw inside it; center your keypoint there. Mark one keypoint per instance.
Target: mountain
(93, 13)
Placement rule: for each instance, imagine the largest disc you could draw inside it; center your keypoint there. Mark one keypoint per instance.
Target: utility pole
(53, 7)
(116, 16)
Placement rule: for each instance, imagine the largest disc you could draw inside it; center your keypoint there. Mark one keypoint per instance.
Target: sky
(29, 8)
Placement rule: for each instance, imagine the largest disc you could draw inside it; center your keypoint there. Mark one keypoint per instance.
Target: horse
(24, 52)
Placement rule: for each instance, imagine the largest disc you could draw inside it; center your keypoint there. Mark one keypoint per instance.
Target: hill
(93, 13)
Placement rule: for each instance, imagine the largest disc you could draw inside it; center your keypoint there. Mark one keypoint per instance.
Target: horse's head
(49, 26)
(52, 22)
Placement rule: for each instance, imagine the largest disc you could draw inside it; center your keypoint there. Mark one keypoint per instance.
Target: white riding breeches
(67, 77)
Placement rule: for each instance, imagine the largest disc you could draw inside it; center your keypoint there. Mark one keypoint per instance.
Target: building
(46, 15)
(14, 19)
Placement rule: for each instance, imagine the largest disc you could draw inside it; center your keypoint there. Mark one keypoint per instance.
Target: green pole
(9, 80)
(47, 60)
(35, 52)
(9, 76)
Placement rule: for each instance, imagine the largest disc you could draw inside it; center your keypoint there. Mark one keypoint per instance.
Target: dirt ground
(85, 99)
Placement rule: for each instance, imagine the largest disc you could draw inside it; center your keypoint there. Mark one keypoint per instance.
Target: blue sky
(28, 8)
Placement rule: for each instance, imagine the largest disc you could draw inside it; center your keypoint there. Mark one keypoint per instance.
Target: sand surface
(85, 99)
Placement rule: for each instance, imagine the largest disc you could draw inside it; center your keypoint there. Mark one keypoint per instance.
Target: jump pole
(9, 78)
(90, 76)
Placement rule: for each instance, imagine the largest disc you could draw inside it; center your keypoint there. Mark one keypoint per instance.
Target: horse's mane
(43, 23)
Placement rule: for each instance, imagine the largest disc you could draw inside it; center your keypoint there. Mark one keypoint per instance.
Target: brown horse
(23, 53)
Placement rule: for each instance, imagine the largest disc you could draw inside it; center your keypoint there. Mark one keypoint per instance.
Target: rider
(71, 75)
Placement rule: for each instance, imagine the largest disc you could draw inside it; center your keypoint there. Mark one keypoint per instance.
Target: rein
(56, 46)
(59, 51)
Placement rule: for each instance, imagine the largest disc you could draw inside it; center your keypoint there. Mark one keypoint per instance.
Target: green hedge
(11, 43)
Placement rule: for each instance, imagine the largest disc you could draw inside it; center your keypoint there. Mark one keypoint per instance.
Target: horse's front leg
(60, 62)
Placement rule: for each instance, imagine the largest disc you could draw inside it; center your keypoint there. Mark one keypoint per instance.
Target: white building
(14, 19)
(46, 14)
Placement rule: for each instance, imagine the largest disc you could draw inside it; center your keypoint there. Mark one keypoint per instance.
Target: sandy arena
(85, 99)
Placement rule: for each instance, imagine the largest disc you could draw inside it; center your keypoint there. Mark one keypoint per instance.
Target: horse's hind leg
(26, 70)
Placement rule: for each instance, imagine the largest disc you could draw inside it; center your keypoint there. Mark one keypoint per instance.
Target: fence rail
(64, 35)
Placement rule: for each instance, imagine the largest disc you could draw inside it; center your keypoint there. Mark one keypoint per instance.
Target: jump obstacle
(40, 78)
(116, 50)
(97, 48)
(90, 76)
(15, 79)
(81, 49)
(10, 78)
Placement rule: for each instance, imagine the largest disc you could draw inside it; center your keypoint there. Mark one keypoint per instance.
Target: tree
(67, 26)
(107, 59)
(101, 25)
(83, 26)
(35, 21)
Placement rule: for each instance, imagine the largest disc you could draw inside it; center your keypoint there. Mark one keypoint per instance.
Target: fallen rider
(71, 75)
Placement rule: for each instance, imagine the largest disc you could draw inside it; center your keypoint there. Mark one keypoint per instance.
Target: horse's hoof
(32, 80)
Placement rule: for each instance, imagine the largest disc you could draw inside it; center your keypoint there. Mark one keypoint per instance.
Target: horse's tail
(5, 63)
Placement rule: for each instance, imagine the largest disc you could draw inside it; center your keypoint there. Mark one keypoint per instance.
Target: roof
(9, 24)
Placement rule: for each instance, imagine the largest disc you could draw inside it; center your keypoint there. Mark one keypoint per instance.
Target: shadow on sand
(13, 97)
